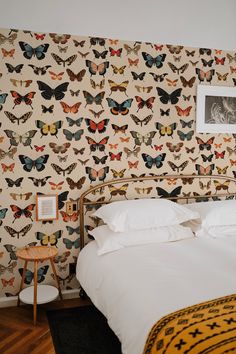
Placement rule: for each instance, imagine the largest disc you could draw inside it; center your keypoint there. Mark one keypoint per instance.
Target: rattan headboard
(157, 179)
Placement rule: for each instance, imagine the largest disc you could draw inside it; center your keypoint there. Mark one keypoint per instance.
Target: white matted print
(216, 109)
(46, 207)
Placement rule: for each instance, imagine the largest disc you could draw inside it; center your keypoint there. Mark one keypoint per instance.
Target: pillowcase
(109, 241)
(141, 214)
(217, 231)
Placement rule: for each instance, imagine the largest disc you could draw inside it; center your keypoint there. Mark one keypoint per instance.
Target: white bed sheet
(136, 286)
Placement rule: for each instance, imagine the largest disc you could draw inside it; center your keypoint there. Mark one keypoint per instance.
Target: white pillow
(143, 214)
(217, 231)
(109, 241)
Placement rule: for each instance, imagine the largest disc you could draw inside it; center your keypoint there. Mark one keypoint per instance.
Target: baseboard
(12, 300)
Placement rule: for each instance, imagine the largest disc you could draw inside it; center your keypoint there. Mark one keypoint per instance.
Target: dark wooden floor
(18, 335)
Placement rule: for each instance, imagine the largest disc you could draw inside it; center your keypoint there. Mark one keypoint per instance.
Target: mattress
(136, 286)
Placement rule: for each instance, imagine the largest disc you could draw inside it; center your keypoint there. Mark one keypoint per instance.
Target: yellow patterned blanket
(206, 328)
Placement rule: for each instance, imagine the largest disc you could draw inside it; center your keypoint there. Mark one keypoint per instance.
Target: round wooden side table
(38, 294)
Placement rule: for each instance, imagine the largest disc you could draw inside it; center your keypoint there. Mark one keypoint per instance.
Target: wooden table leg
(22, 281)
(56, 277)
(35, 290)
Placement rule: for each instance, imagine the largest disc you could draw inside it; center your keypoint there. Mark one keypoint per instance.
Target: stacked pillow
(142, 221)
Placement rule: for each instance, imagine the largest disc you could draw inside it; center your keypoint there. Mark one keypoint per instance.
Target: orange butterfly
(172, 82)
(227, 140)
(218, 145)
(56, 186)
(232, 69)
(233, 162)
(8, 282)
(133, 62)
(72, 217)
(183, 112)
(171, 181)
(218, 51)
(25, 83)
(158, 47)
(70, 109)
(6, 168)
(113, 146)
(124, 140)
(7, 53)
(55, 76)
(133, 164)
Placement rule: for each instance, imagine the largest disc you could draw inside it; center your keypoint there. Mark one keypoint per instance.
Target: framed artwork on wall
(46, 207)
(216, 109)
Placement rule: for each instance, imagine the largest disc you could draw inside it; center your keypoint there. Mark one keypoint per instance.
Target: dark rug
(82, 330)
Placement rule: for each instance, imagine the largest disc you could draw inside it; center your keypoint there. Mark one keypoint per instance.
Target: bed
(134, 287)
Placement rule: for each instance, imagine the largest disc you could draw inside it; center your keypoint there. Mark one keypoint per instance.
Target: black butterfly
(16, 183)
(40, 70)
(150, 61)
(170, 195)
(67, 61)
(29, 164)
(158, 78)
(48, 92)
(100, 55)
(164, 113)
(138, 76)
(47, 109)
(207, 158)
(29, 52)
(98, 160)
(166, 97)
(39, 182)
(59, 170)
(12, 69)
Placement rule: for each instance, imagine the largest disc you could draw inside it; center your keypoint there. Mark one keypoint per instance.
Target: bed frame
(83, 203)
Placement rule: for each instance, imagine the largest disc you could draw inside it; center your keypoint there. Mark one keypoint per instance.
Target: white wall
(197, 23)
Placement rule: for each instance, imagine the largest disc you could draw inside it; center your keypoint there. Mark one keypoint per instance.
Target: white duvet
(136, 286)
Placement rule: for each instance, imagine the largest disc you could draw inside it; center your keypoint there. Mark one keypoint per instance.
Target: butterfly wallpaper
(76, 111)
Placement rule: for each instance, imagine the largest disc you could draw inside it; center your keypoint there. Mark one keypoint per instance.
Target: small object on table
(38, 294)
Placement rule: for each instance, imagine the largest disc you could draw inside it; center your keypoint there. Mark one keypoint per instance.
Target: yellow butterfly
(219, 186)
(117, 70)
(118, 174)
(222, 171)
(49, 128)
(48, 239)
(146, 190)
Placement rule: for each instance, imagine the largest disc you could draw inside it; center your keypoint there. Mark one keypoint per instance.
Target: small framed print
(216, 109)
(46, 207)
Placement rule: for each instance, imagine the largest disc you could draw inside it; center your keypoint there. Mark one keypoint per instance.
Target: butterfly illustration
(146, 89)
(7, 282)
(10, 154)
(18, 99)
(69, 244)
(118, 191)
(100, 68)
(203, 186)
(166, 130)
(158, 78)
(55, 76)
(18, 120)
(125, 140)
(145, 103)
(2, 214)
(165, 112)
(73, 184)
(17, 183)
(222, 171)
(169, 195)
(118, 174)
(207, 158)
(39, 36)
(117, 70)
(204, 171)
(130, 50)
(72, 217)
(56, 186)
(83, 162)
(144, 121)
(139, 139)
(8, 53)
(153, 161)
(9, 268)
(222, 77)
(29, 52)
(138, 76)
(188, 83)
(174, 148)
(133, 62)
(146, 190)
(115, 52)
(59, 148)
(185, 136)
(219, 61)
(79, 76)
(59, 170)
(230, 151)
(90, 99)
(183, 112)
(51, 240)
(132, 152)
(9, 168)
(122, 87)
(51, 129)
(179, 70)
(76, 122)
(24, 83)
(150, 61)
(63, 62)
(18, 212)
(117, 129)
(76, 135)
(90, 206)
(48, 93)
(78, 151)
(70, 109)
(172, 82)
(219, 155)
(94, 174)
(18, 234)
(185, 124)
(207, 62)
(122, 108)
(21, 196)
(206, 51)
(79, 44)
(17, 69)
(199, 198)
(97, 40)
(231, 58)
(39, 182)
(99, 55)
(59, 38)
(74, 93)
(62, 258)
(158, 147)
(133, 164)
(47, 109)
(205, 75)
(98, 160)
(10, 39)
(29, 275)
(181, 167)
(116, 157)
(205, 145)
(219, 186)
(39, 70)
(174, 49)
(29, 164)
(94, 127)
(165, 97)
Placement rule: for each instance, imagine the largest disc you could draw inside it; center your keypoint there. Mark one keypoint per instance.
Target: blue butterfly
(117, 108)
(188, 136)
(28, 163)
(150, 61)
(73, 122)
(29, 51)
(29, 276)
(69, 244)
(156, 161)
(71, 230)
(3, 97)
(3, 214)
(70, 136)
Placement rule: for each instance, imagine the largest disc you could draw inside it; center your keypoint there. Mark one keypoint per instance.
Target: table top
(36, 253)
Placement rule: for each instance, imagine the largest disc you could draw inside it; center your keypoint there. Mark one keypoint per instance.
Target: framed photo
(216, 109)
(46, 207)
